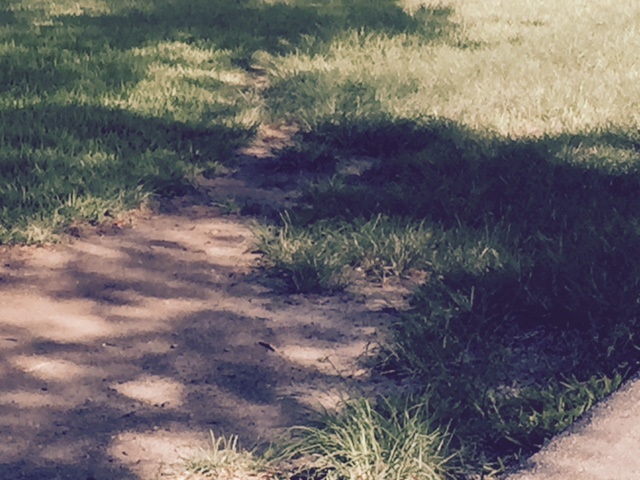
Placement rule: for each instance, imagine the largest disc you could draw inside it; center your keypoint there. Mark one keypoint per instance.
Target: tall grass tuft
(384, 442)
(225, 460)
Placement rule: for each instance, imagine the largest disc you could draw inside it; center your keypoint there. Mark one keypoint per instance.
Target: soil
(125, 346)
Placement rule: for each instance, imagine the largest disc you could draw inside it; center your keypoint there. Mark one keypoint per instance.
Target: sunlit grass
(375, 442)
(525, 70)
(366, 440)
(224, 459)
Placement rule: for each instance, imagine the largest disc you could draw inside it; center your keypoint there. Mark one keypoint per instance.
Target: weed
(225, 460)
(375, 443)
(310, 260)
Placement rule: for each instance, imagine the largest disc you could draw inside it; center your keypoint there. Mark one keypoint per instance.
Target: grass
(530, 314)
(376, 442)
(525, 70)
(95, 120)
(504, 150)
(366, 441)
(225, 460)
(328, 255)
(505, 155)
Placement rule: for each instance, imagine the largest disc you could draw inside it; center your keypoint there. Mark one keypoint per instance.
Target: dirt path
(126, 345)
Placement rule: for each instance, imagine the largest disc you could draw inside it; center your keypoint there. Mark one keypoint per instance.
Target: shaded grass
(89, 129)
(61, 164)
(531, 311)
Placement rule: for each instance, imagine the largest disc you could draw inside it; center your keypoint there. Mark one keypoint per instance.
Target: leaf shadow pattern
(108, 386)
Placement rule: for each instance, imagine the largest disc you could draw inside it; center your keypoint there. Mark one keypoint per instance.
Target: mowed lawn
(504, 150)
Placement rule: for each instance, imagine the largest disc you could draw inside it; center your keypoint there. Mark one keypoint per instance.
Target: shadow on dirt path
(119, 350)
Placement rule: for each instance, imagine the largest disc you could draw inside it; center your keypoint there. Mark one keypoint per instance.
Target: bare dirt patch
(123, 347)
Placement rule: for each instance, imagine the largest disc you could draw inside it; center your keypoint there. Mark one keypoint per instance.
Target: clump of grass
(225, 460)
(312, 260)
(327, 255)
(365, 440)
(369, 442)
(385, 247)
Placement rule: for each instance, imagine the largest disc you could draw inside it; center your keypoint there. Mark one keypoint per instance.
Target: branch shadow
(532, 238)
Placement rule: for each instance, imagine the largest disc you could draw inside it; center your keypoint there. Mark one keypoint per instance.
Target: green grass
(522, 70)
(328, 255)
(505, 154)
(504, 148)
(365, 441)
(225, 459)
(98, 111)
(531, 290)
(375, 442)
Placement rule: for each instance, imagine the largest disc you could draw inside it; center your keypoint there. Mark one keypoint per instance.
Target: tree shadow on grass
(531, 239)
(75, 161)
(65, 154)
(569, 200)
(52, 68)
(249, 26)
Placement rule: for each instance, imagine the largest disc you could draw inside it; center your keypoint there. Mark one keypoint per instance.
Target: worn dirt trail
(117, 350)
(127, 345)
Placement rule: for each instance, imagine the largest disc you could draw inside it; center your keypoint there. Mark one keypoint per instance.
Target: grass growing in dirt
(503, 148)
(390, 441)
(504, 158)
(365, 441)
